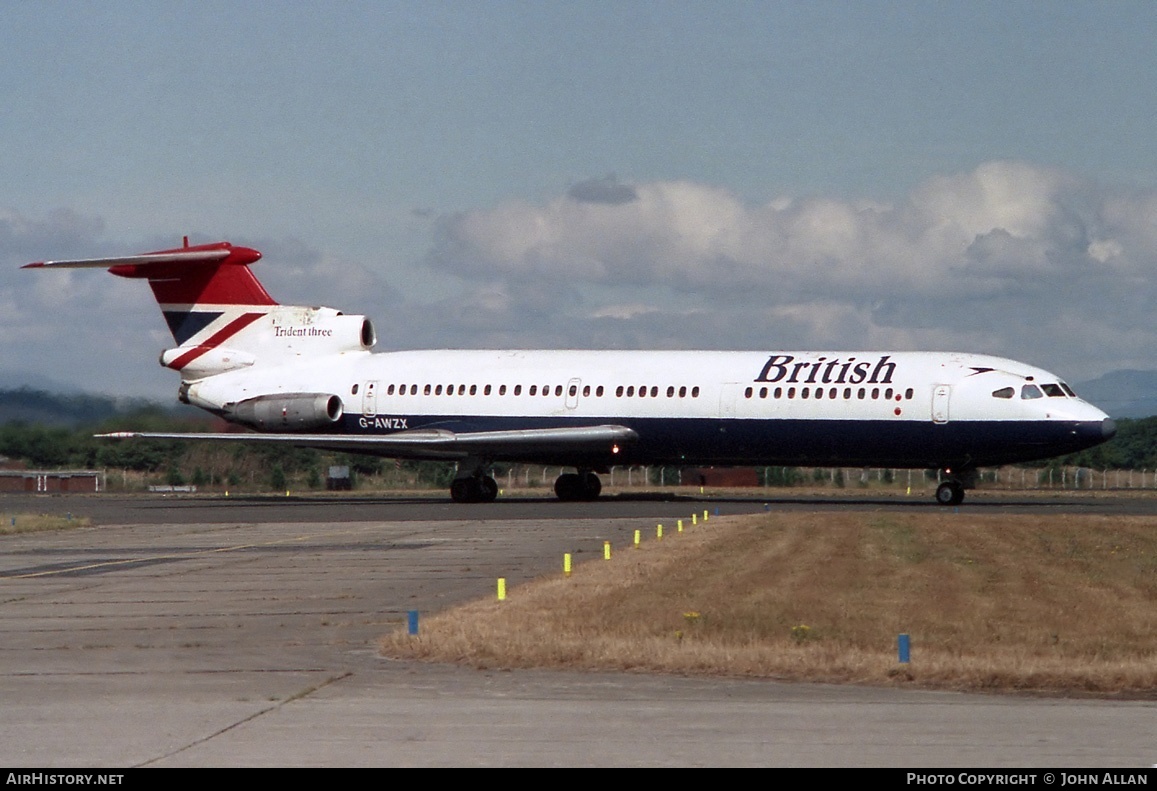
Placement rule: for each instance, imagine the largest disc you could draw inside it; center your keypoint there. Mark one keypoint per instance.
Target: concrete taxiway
(163, 636)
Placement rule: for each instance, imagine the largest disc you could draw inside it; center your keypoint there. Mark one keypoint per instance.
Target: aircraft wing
(555, 445)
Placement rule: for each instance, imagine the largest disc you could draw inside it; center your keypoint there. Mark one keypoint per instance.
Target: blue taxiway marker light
(904, 644)
(412, 621)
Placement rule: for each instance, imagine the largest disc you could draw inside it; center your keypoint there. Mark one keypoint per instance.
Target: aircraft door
(727, 399)
(940, 396)
(370, 399)
(572, 393)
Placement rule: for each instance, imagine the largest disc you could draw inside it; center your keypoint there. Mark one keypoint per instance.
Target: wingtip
(33, 265)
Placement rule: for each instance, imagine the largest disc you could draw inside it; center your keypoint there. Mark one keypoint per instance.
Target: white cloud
(1009, 258)
(1004, 259)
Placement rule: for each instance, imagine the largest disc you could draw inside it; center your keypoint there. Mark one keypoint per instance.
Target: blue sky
(975, 176)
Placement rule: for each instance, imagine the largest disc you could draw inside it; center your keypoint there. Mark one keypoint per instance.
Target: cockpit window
(1030, 391)
(1004, 392)
(1068, 390)
(1053, 391)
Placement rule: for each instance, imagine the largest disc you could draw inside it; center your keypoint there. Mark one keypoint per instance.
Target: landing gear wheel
(578, 486)
(592, 486)
(481, 489)
(568, 486)
(950, 493)
(464, 490)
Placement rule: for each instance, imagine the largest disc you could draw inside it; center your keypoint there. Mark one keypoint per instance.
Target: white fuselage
(897, 408)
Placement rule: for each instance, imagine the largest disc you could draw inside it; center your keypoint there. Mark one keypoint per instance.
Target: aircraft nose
(1108, 428)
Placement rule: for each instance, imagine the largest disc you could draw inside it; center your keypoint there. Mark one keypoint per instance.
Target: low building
(51, 481)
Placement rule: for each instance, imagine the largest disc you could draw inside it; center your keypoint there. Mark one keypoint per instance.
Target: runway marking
(148, 559)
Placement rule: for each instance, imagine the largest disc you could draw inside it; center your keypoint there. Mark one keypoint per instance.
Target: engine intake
(288, 411)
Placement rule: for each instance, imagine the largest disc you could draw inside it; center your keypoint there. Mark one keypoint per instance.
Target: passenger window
(558, 390)
(599, 391)
(908, 394)
(533, 390)
(462, 390)
(586, 391)
(763, 392)
(501, 390)
(747, 393)
(354, 390)
(670, 391)
(683, 391)
(518, 389)
(630, 391)
(779, 392)
(695, 392)
(619, 391)
(1029, 392)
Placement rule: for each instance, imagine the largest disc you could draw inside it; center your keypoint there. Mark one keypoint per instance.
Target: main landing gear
(473, 485)
(581, 485)
(474, 489)
(951, 489)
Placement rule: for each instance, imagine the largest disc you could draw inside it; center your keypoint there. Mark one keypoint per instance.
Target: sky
(976, 176)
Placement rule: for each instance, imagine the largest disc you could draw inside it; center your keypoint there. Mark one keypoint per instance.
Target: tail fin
(194, 286)
(221, 316)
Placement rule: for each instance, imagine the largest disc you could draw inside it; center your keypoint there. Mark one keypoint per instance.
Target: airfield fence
(530, 477)
(1009, 478)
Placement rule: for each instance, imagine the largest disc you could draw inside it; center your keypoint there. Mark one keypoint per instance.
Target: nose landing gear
(951, 489)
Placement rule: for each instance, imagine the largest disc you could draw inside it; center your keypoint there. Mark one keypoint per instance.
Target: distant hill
(1122, 393)
(73, 409)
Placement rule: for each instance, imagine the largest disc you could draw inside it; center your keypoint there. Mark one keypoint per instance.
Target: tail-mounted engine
(287, 412)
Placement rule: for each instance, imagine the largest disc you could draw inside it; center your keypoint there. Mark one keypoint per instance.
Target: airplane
(307, 377)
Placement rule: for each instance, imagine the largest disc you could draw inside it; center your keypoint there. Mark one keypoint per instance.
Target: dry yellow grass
(31, 523)
(1048, 603)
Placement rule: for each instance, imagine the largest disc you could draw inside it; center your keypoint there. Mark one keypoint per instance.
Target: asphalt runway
(205, 632)
(217, 509)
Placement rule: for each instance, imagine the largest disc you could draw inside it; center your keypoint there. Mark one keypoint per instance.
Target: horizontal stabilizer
(149, 259)
(216, 273)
